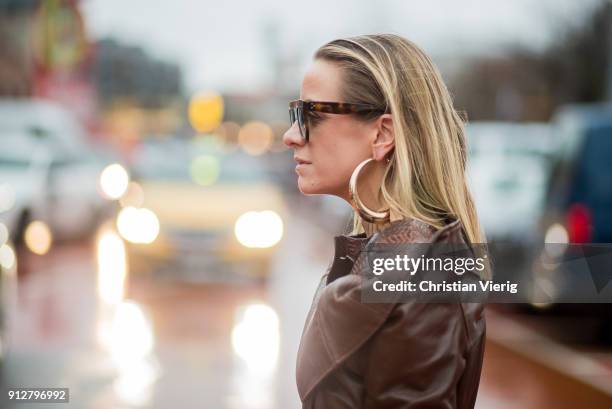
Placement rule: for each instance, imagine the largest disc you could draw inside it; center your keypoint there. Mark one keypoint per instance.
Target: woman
(375, 126)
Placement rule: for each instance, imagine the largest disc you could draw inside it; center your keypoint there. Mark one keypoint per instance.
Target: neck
(371, 228)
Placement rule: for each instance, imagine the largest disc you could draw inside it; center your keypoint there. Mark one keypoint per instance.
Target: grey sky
(222, 44)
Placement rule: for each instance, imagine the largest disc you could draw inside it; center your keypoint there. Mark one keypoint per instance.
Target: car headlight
(114, 180)
(259, 229)
(556, 240)
(8, 260)
(38, 237)
(138, 225)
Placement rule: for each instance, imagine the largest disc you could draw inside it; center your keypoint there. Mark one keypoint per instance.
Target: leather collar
(346, 251)
(348, 247)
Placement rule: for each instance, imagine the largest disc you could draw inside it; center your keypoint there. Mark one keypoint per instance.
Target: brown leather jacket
(384, 355)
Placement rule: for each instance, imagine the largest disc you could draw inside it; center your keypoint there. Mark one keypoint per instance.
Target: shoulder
(465, 320)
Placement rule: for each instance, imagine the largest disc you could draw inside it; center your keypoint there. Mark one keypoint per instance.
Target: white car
(48, 171)
(22, 183)
(507, 170)
(42, 118)
(39, 183)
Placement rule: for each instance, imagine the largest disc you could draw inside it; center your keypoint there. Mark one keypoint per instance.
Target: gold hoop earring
(369, 215)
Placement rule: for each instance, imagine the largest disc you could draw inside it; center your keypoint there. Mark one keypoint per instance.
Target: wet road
(117, 340)
(133, 341)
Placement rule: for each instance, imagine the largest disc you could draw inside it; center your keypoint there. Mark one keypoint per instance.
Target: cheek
(318, 178)
(334, 152)
(324, 177)
(333, 164)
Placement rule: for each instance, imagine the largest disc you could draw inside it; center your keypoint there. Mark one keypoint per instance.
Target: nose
(292, 136)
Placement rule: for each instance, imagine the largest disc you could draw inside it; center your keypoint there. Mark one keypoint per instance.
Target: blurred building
(138, 95)
(16, 58)
(117, 91)
(46, 53)
(519, 84)
(127, 72)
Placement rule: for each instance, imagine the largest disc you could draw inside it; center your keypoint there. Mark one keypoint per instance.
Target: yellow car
(199, 212)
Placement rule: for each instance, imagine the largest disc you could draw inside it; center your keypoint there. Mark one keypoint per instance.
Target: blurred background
(155, 251)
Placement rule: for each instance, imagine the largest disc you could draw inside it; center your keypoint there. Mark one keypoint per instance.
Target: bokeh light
(7, 257)
(255, 137)
(127, 334)
(206, 111)
(112, 267)
(114, 181)
(131, 338)
(256, 338)
(38, 237)
(255, 229)
(556, 233)
(556, 240)
(138, 225)
(205, 169)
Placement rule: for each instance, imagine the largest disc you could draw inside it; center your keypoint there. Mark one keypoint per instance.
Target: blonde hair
(426, 176)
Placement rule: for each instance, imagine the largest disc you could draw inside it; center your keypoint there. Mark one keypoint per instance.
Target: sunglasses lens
(296, 113)
(300, 118)
(292, 117)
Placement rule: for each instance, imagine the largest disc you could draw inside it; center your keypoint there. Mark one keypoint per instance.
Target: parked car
(49, 186)
(508, 167)
(48, 171)
(43, 118)
(578, 208)
(199, 212)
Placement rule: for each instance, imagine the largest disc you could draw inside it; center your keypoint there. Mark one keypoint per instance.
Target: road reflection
(255, 341)
(255, 338)
(125, 333)
(111, 261)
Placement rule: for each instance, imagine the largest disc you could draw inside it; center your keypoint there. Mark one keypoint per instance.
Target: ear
(385, 137)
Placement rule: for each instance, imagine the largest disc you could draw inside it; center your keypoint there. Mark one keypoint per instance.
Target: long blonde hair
(426, 177)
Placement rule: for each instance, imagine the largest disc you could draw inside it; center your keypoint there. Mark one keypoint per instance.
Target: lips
(301, 161)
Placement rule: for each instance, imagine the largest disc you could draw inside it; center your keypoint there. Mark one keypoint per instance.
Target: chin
(311, 186)
(308, 186)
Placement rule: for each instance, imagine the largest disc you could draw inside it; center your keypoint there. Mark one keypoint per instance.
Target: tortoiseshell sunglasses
(299, 109)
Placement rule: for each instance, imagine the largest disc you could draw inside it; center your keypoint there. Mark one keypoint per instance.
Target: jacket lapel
(338, 323)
